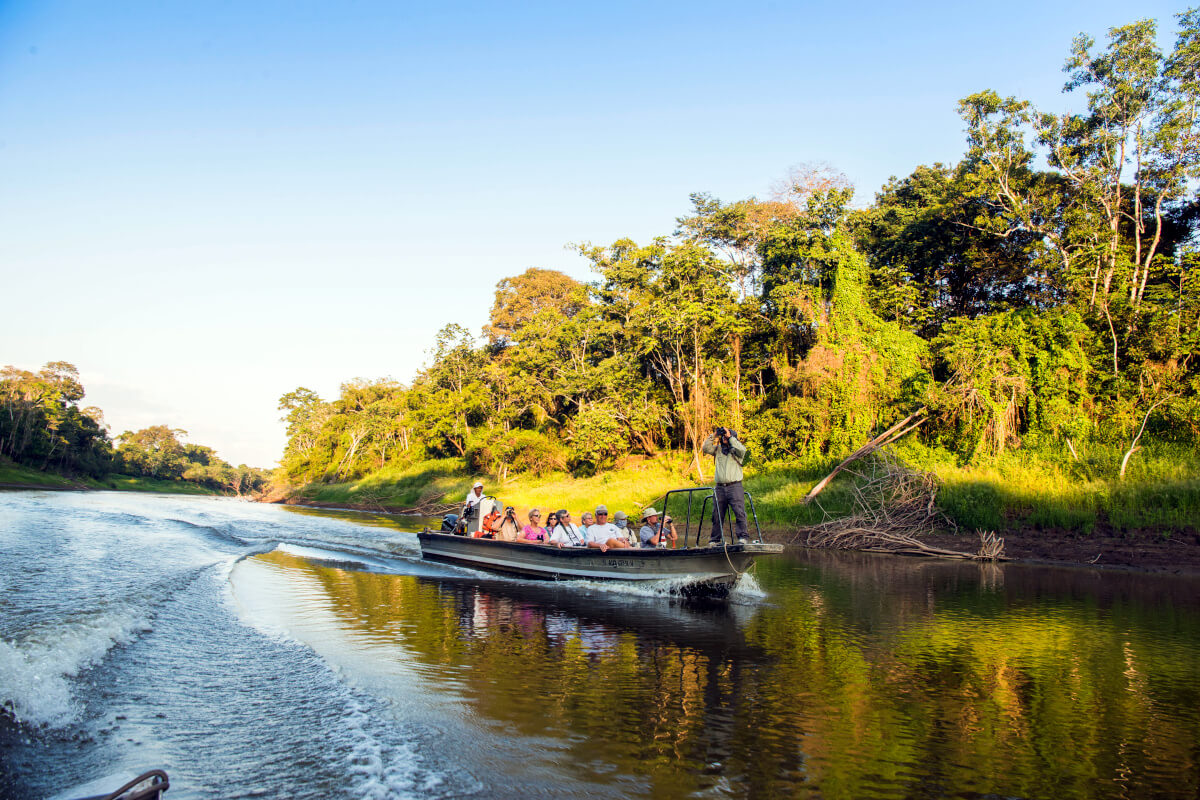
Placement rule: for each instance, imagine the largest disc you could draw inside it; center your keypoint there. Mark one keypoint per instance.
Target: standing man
(728, 455)
(470, 508)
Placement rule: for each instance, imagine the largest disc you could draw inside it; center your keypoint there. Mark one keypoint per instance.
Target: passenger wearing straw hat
(650, 534)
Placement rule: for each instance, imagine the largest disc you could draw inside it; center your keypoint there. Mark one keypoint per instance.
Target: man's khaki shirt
(728, 468)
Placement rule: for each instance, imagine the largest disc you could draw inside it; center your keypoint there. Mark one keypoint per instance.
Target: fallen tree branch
(893, 505)
(901, 428)
(430, 506)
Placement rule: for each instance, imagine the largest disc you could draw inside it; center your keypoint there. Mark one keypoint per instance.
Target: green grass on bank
(1024, 490)
(396, 486)
(18, 475)
(131, 483)
(1021, 490)
(629, 487)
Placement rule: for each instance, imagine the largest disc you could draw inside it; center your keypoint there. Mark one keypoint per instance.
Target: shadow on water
(858, 676)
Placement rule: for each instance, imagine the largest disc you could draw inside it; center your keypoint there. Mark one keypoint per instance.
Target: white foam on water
(746, 591)
(382, 771)
(35, 674)
(659, 588)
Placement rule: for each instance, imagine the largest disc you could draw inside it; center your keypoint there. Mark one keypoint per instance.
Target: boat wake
(38, 688)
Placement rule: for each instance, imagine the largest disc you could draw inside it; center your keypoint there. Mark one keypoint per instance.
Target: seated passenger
(534, 532)
(564, 534)
(604, 535)
(586, 521)
(621, 520)
(510, 529)
(651, 535)
(489, 526)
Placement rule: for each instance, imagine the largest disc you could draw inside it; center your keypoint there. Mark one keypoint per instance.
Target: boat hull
(705, 568)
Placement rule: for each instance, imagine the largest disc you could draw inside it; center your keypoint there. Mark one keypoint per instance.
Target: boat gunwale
(648, 553)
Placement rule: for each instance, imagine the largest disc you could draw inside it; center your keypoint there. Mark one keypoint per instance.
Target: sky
(206, 205)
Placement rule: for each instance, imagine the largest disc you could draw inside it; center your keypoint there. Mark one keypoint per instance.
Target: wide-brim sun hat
(649, 512)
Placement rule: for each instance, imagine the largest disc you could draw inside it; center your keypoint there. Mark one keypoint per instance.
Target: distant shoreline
(158, 487)
(46, 486)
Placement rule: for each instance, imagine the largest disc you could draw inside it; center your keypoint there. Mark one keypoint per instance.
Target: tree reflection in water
(858, 676)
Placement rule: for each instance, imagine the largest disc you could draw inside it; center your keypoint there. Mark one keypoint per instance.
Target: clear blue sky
(206, 205)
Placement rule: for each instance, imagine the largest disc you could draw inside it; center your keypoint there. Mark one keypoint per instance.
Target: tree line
(1043, 293)
(42, 426)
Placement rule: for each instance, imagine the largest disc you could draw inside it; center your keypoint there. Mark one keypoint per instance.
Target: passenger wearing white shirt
(604, 534)
(565, 534)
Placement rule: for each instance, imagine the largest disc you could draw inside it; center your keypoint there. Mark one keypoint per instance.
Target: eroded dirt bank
(1176, 553)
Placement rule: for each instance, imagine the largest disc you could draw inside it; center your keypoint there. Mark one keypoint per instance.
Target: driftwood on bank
(893, 505)
(901, 428)
(432, 505)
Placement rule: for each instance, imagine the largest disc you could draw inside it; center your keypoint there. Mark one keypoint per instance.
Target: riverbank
(1046, 512)
(1177, 554)
(15, 476)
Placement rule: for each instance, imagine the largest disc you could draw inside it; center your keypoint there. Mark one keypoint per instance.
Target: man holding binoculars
(728, 454)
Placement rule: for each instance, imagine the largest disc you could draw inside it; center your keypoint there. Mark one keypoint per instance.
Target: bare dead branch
(882, 440)
(893, 505)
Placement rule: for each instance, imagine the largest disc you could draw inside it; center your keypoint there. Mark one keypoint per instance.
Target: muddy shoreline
(1156, 553)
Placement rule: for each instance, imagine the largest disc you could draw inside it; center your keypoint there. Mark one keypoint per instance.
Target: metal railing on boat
(710, 494)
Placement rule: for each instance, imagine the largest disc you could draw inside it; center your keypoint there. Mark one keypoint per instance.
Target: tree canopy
(42, 426)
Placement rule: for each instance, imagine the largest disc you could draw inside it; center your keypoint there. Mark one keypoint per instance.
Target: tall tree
(519, 299)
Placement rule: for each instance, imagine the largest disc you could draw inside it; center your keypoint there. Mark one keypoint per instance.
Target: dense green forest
(43, 427)
(1042, 296)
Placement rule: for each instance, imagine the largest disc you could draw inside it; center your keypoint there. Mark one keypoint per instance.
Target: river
(274, 652)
